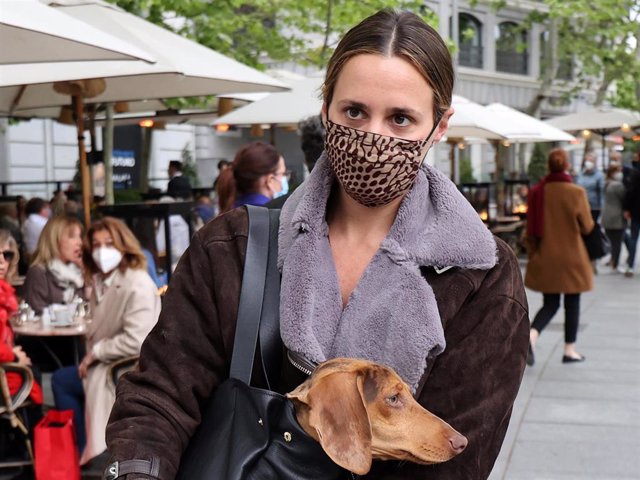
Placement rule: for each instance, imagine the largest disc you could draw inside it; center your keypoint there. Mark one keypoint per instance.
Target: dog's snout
(458, 442)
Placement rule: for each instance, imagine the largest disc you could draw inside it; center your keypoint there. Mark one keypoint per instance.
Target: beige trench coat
(561, 263)
(121, 321)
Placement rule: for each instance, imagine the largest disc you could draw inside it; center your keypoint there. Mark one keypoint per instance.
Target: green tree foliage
(257, 32)
(597, 38)
(537, 164)
(466, 170)
(189, 168)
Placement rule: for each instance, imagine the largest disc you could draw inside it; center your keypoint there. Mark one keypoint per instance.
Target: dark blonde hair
(123, 240)
(48, 247)
(558, 160)
(7, 238)
(401, 34)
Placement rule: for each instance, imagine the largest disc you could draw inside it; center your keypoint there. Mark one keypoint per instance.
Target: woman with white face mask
(124, 307)
(613, 220)
(256, 176)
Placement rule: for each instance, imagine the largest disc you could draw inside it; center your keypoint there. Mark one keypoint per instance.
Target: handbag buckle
(111, 472)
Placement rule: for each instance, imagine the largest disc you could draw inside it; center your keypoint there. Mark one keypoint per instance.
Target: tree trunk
(327, 30)
(550, 72)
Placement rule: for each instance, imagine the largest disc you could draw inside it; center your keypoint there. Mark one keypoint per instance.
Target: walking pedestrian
(558, 216)
(613, 219)
(632, 214)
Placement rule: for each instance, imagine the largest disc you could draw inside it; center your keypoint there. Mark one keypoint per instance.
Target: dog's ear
(338, 414)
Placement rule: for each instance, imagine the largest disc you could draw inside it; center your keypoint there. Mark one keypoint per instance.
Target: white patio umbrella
(32, 32)
(520, 127)
(597, 119)
(602, 121)
(281, 108)
(183, 68)
(471, 119)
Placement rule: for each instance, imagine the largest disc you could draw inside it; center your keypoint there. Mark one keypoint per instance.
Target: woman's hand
(22, 358)
(86, 362)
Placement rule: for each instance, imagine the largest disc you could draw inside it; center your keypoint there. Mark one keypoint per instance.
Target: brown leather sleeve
(187, 353)
(473, 384)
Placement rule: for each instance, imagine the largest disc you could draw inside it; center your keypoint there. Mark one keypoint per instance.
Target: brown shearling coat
(560, 263)
(472, 385)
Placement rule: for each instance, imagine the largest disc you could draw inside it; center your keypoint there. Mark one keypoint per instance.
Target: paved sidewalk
(581, 421)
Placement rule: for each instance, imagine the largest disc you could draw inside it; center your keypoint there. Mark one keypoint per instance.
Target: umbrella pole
(84, 168)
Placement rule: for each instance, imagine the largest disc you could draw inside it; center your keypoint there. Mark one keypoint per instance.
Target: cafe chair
(12, 409)
(117, 368)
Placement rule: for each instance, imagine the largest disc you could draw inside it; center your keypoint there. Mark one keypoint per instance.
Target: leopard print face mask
(373, 169)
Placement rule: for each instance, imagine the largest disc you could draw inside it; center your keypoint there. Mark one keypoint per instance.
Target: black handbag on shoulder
(249, 433)
(597, 243)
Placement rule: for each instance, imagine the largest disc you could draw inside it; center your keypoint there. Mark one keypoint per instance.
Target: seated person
(54, 276)
(10, 353)
(125, 306)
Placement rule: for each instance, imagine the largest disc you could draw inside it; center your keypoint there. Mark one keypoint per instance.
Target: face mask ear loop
(434, 128)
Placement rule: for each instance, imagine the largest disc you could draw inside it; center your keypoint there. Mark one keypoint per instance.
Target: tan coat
(561, 264)
(121, 321)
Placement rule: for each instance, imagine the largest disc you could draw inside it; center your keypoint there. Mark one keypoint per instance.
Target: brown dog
(360, 411)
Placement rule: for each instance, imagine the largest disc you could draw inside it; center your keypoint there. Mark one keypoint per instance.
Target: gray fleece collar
(392, 315)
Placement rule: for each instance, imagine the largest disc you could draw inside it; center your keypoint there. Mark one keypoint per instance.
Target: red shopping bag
(56, 452)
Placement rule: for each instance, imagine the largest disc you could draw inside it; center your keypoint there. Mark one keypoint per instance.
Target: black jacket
(179, 187)
(632, 196)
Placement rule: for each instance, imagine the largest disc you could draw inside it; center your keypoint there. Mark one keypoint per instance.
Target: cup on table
(62, 314)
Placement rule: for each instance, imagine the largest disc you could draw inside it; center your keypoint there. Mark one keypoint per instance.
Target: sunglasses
(8, 255)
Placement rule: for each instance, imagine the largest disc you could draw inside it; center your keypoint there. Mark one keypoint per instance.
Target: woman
(256, 176)
(124, 306)
(8, 306)
(558, 216)
(55, 274)
(613, 219)
(381, 258)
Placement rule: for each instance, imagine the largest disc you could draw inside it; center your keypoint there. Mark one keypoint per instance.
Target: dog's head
(360, 411)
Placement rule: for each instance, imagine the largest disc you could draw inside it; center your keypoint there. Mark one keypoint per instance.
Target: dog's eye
(393, 399)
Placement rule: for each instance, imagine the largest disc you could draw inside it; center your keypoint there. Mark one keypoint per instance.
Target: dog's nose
(458, 442)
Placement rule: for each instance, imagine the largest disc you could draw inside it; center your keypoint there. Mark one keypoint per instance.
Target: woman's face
(5, 264)
(70, 246)
(275, 180)
(101, 238)
(384, 95)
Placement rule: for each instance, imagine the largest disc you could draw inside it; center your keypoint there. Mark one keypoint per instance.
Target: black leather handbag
(249, 433)
(597, 243)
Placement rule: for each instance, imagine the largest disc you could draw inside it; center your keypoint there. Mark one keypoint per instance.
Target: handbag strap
(269, 337)
(260, 244)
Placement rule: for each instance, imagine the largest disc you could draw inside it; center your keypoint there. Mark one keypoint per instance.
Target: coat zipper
(298, 364)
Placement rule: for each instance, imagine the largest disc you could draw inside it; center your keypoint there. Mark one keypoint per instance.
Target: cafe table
(36, 329)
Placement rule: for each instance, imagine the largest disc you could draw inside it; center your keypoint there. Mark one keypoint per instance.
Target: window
(511, 49)
(469, 41)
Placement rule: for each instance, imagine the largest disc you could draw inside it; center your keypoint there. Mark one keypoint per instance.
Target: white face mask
(106, 258)
(618, 176)
(284, 187)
